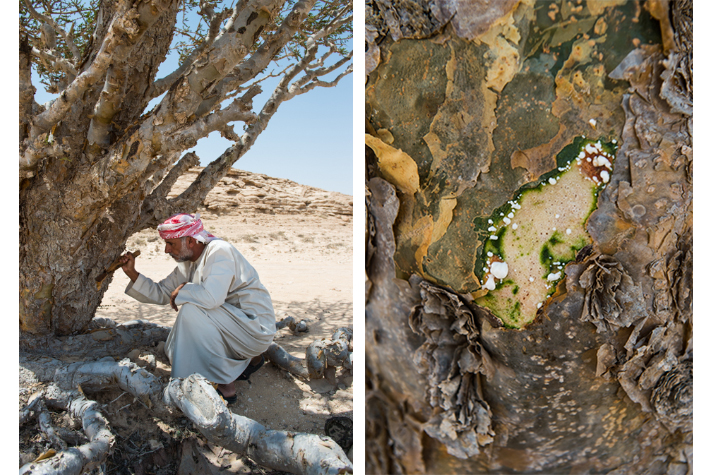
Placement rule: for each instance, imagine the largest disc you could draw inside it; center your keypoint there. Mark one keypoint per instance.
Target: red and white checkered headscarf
(182, 225)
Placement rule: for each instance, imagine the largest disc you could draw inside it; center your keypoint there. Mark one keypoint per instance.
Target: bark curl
(672, 398)
(610, 294)
(453, 360)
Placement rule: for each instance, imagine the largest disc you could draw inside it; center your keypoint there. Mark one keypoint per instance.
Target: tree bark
(66, 235)
(601, 380)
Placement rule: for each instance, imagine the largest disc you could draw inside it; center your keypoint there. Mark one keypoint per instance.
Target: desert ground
(299, 239)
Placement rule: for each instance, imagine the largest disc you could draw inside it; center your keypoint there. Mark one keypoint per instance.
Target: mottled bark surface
(601, 381)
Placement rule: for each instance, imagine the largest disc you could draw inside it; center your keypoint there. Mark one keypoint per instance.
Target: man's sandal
(228, 400)
(251, 369)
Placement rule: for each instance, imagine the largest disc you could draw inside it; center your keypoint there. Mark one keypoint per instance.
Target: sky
(309, 139)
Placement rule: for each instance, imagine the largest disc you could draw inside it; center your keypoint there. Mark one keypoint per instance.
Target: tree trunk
(462, 124)
(69, 230)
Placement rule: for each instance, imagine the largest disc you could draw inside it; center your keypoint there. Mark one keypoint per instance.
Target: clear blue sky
(309, 140)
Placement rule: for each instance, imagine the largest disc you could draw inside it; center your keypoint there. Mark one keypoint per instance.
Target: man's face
(179, 249)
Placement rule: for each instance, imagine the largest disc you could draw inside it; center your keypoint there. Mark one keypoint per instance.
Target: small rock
(148, 362)
(154, 444)
(134, 354)
(102, 335)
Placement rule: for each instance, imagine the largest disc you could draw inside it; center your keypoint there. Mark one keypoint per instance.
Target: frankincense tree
(98, 161)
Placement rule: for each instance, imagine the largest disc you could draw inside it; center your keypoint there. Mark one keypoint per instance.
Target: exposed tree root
(75, 460)
(321, 354)
(194, 396)
(102, 338)
(281, 450)
(282, 359)
(293, 325)
(333, 351)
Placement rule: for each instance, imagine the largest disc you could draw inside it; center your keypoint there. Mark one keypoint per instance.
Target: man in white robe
(226, 318)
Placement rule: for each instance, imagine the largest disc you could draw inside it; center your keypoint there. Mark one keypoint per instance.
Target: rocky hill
(245, 192)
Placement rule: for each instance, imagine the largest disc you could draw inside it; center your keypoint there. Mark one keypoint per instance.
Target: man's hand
(174, 295)
(129, 266)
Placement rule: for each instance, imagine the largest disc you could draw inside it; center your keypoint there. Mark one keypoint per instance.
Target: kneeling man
(226, 318)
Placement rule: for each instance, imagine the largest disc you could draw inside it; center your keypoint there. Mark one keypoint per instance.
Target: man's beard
(185, 254)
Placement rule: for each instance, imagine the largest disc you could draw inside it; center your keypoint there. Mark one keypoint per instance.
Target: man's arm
(217, 277)
(144, 289)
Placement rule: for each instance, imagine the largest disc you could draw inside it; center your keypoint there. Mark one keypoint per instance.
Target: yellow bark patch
(48, 454)
(120, 166)
(397, 167)
(596, 7)
(446, 213)
(386, 136)
(504, 57)
(438, 153)
(432, 231)
(423, 227)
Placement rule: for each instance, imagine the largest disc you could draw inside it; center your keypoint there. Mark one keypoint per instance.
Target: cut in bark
(598, 378)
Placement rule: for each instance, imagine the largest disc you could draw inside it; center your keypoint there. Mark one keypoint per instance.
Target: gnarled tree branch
(156, 205)
(128, 159)
(218, 168)
(60, 63)
(49, 22)
(162, 85)
(125, 30)
(108, 104)
(188, 136)
(261, 58)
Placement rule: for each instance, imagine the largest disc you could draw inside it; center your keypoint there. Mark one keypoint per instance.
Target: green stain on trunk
(540, 230)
